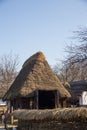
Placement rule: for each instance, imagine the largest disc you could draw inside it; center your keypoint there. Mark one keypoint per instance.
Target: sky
(29, 26)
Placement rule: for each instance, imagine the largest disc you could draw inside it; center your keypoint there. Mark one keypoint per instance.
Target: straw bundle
(60, 115)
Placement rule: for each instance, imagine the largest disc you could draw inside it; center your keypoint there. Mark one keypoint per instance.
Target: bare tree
(8, 70)
(74, 67)
(67, 72)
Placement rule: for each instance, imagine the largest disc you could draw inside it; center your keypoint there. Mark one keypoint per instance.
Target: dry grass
(60, 114)
(3, 108)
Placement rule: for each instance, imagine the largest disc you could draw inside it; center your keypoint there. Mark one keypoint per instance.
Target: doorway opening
(46, 99)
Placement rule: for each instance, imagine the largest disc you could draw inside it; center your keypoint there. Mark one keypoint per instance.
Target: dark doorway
(46, 99)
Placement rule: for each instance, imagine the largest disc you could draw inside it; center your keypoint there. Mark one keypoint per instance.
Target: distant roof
(35, 74)
(78, 83)
(2, 103)
(77, 87)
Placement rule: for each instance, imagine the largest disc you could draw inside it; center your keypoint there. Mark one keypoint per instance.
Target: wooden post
(37, 104)
(56, 99)
(64, 102)
(12, 120)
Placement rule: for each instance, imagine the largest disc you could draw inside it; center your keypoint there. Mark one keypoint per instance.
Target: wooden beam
(56, 99)
(64, 102)
(37, 99)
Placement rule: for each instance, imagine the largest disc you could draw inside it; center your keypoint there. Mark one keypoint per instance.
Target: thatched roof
(62, 115)
(35, 74)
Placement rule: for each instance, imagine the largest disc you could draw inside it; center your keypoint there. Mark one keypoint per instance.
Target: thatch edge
(60, 114)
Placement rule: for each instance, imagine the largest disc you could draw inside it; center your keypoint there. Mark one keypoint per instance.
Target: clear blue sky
(28, 26)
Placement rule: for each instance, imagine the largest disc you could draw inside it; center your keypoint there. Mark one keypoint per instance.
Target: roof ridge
(37, 56)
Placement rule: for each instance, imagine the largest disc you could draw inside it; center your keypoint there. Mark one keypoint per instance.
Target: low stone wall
(50, 125)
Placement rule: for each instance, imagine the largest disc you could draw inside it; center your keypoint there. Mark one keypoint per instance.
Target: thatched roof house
(36, 78)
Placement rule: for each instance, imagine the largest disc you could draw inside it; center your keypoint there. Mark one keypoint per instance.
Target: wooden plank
(8, 126)
(12, 118)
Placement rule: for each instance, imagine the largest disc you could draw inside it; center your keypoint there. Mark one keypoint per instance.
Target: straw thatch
(35, 74)
(61, 115)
